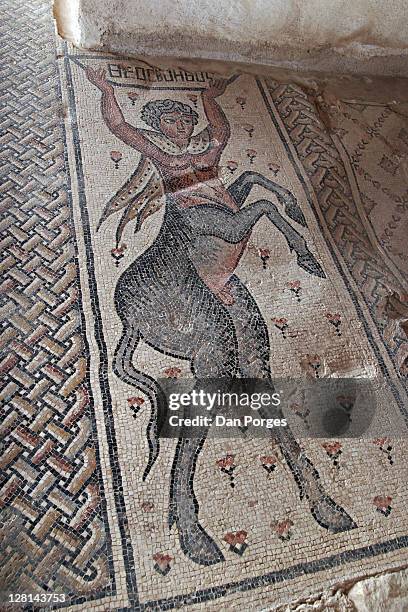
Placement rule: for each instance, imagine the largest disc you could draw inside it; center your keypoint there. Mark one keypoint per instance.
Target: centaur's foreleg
(241, 188)
(253, 354)
(235, 226)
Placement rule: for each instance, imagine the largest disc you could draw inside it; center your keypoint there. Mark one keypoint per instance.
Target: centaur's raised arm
(218, 126)
(114, 119)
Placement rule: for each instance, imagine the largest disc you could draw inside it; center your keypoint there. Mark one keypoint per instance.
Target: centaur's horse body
(181, 295)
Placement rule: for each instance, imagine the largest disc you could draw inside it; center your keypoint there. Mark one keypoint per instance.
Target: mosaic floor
(163, 223)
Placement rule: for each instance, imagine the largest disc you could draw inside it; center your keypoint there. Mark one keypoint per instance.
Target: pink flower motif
(294, 284)
(251, 154)
(241, 102)
(295, 287)
(269, 463)
(332, 448)
(282, 529)
(249, 129)
(117, 253)
(227, 465)
(236, 540)
(333, 317)
(335, 320)
(147, 506)
(281, 324)
(302, 412)
(237, 537)
(311, 364)
(380, 441)
(264, 254)
(135, 401)
(162, 562)
(116, 156)
(382, 501)
(281, 321)
(274, 168)
(172, 372)
(232, 165)
(385, 447)
(226, 462)
(133, 96)
(268, 459)
(119, 250)
(193, 98)
(383, 504)
(346, 402)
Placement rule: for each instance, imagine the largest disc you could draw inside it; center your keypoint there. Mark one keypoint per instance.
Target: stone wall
(368, 36)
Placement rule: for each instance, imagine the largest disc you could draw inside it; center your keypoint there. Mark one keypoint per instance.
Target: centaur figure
(181, 295)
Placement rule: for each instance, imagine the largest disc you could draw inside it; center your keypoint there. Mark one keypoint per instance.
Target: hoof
(292, 209)
(198, 546)
(331, 516)
(309, 263)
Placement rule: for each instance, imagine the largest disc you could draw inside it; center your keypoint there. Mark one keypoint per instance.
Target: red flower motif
(226, 462)
(274, 168)
(382, 502)
(268, 459)
(116, 156)
(336, 317)
(282, 528)
(172, 372)
(280, 322)
(264, 253)
(234, 538)
(232, 165)
(251, 153)
(380, 441)
(193, 98)
(294, 284)
(133, 96)
(147, 506)
(118, 251)
(163, 561)
(249, 128)
(135, 401)
(332, 448)
(241, 102)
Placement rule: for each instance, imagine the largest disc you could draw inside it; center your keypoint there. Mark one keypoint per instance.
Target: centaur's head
(174, 119)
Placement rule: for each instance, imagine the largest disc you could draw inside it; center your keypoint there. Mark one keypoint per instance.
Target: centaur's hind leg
(241, 188)
(254, 352)
(215, 358)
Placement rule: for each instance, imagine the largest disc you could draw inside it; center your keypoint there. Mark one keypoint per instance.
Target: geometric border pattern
(54, 533)
(321, 160)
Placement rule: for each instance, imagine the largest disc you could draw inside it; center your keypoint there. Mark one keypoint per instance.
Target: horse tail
(124, 369)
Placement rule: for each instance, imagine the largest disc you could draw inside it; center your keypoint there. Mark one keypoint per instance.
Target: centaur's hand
(218, 87)
(98, 78)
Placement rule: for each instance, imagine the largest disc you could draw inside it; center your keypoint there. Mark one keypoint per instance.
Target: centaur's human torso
(192, 180)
